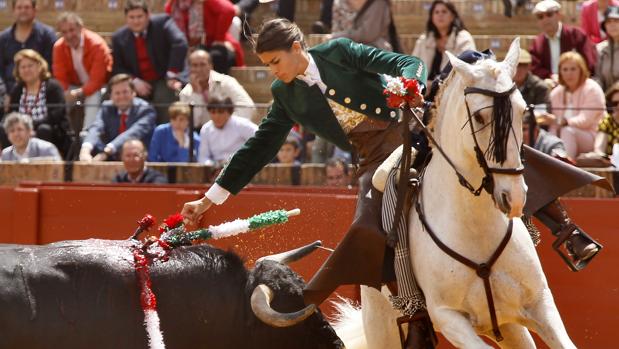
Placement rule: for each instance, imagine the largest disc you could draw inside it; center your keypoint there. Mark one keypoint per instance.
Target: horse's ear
(513, 54)
(462, 68)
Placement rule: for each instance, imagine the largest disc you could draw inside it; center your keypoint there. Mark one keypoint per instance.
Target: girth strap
(483, 270)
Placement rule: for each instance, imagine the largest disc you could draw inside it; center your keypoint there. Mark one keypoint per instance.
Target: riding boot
(581, 247)
(421, 334)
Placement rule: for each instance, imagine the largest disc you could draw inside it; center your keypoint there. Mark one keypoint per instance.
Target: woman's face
(18, 135)
(284, 64)
(179, 123)
(570, 72)
(612, 28)
(28, 70)
(442, 17)
(219, 116)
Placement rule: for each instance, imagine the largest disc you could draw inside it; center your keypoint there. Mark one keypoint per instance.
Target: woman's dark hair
(456, 25)
(278, 35)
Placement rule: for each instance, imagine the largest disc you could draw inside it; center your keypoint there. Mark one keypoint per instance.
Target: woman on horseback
(336, 91)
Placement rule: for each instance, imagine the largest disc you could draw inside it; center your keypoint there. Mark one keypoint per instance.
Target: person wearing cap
(533, 89)
(607, 69)
(591, 15)
(555, 39)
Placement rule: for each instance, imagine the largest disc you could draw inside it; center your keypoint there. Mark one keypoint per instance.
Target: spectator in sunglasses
(555, 39)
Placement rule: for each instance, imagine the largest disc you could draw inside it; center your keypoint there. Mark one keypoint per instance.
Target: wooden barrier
(43, 213)
(11, 174)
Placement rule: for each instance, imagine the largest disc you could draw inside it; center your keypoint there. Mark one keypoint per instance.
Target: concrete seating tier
(97, 14)
(12, 173)
(480, 16)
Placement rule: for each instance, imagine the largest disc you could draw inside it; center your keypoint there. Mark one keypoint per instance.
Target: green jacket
(351, 72)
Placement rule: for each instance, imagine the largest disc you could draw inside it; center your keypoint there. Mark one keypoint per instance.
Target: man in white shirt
(205, 82)
(224, 134)
(25, 147)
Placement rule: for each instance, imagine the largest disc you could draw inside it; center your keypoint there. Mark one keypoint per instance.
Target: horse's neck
(444, 198)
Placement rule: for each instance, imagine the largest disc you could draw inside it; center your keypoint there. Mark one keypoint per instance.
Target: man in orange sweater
(82, 64)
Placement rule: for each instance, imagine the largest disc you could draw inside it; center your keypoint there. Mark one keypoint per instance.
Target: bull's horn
(261, 305)
(292, 255)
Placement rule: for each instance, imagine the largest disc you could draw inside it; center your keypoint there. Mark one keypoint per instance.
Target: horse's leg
(379, 319)
(456, 328)
(547, 322)
(515, 336)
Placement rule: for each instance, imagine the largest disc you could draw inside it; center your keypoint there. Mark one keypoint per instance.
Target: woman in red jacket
(206, 23)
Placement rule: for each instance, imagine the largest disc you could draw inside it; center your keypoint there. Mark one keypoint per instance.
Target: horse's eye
(478, 118)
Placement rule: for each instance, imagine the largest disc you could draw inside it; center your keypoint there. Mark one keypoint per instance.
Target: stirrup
(421, 315)
(572, 260)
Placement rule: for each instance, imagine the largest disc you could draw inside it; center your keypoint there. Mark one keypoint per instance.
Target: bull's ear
(513, 54)
(467, 71)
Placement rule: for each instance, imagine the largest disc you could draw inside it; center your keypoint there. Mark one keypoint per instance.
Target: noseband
(487, 182)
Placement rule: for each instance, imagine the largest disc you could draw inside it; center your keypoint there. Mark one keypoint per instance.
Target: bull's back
(78, 292)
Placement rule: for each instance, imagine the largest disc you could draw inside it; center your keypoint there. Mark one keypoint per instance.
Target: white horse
(474, 226)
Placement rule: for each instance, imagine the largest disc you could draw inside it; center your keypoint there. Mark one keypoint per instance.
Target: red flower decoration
(395, 99)
(411, 86)
(146, 222)
(173, 221)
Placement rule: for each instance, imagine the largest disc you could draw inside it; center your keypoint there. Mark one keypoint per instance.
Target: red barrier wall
(43, 213)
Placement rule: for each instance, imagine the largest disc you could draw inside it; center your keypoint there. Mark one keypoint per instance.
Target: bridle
(487, 182)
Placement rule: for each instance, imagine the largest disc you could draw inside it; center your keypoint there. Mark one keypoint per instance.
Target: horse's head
(485, 116)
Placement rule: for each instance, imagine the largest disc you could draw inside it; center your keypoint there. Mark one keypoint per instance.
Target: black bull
(84, 294)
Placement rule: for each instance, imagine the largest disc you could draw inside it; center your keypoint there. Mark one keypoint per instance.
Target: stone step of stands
(480, 16)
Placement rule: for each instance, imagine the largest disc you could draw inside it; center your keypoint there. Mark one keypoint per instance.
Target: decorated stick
(235, 227)
(143, 224)
(173, 235)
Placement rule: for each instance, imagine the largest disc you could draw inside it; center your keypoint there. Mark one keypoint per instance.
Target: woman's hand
(417, 101)
(193, 210)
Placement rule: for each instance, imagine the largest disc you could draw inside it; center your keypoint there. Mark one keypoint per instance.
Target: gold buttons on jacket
(377, 111)
(347, 100)
(392, 114)
(331, 92)
(363, 106)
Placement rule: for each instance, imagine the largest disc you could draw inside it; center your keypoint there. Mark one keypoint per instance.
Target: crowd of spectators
(161, 91)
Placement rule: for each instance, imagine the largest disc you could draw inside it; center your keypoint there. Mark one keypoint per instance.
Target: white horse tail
(348, 324)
